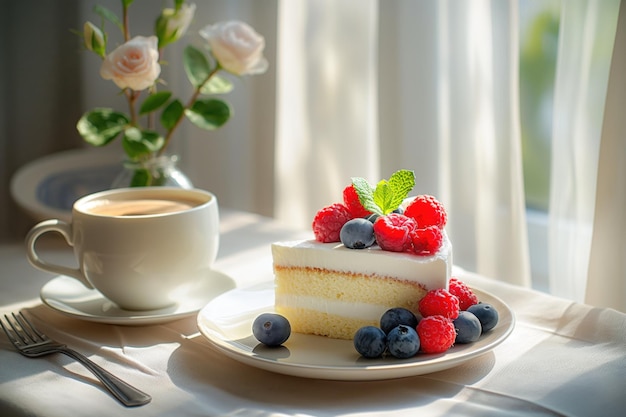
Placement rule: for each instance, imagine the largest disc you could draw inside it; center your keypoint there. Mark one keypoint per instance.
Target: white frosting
(431, 271)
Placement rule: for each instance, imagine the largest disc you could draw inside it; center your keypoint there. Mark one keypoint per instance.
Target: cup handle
(65, 230)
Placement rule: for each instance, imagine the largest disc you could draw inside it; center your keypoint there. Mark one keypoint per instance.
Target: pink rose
(237, 47)
(134, 64)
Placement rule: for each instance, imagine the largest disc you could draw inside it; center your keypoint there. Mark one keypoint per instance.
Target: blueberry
(403, 342)
(357, 234)
(370, 342)
(468, 327)
(394, 317)
(373, 217)
(487, 315)
(271, 329)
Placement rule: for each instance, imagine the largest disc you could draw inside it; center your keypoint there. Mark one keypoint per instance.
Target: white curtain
(326, 129)
(587, 30)
(606, 281)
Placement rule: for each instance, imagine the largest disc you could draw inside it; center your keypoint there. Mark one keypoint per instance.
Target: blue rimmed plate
(47, 187)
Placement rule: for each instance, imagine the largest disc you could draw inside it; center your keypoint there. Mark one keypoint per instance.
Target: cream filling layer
(345, 309)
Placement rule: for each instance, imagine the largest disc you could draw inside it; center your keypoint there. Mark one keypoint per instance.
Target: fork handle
(125, 393)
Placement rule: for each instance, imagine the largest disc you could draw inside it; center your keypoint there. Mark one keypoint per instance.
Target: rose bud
(172, 24)
(95, 40)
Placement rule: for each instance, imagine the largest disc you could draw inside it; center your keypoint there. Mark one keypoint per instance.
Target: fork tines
(21, 331)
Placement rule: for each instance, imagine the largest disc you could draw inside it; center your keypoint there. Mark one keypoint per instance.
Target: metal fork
(33, 344)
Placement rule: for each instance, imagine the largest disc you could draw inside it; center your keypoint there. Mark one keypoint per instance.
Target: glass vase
(153, 172)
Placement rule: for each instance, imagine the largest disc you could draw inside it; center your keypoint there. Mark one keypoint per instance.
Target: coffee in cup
(140, 247)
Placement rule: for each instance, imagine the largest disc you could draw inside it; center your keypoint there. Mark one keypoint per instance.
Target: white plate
(70, 297)
(227, 320)
(47, 187)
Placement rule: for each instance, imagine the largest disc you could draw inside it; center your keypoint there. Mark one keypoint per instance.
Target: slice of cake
(329, 290)
(355, 270)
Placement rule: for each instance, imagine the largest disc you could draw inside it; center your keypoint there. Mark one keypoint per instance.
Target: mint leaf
(401, 183)
(366, 194)
(388, 195)
(384, 197)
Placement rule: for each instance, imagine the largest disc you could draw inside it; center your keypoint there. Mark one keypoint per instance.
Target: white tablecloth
(562, 358)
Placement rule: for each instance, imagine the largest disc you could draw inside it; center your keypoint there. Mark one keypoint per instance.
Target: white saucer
(70, 297)
(227, 320)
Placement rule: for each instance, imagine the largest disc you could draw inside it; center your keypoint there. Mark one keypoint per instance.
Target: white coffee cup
(140, 247)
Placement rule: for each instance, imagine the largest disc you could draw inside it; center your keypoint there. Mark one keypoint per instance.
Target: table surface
(562, 358)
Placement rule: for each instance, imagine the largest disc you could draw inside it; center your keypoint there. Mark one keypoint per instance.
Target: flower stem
(192, 100)
(125, 21)
(132, 99)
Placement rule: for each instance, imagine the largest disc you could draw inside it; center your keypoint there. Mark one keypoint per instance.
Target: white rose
(134, 64)
(237, 47)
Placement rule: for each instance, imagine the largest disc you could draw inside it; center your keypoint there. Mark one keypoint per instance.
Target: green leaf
(127, 2)
(383, 197)
(366, 194)
(144, 177)
(171, 114)
(196, 66)
(387, 195)
(217, 85)
(401, 183)
(208, 114)
(108, 15)
(138, 143)
(100, 126)
(141, 178)
(154, 101)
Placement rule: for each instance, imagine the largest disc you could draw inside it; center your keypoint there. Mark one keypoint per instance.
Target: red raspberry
(466, 296)
(351, 200)
(436, 334)
(426, 241)
(427, 211)
(439, 302)
(328, 222)
(393, 232)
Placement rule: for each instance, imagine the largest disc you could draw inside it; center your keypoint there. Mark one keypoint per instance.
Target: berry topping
(403, 342)
(370, 341)
(393, 232)
(487, 315)
(466, 296)
(426, 211)
(468, 327)
(439, 302)
(351, 201)
(436, 334)
(328, 222)
(396, 316)
(357, 234)
(271, 329)
(426, 241)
